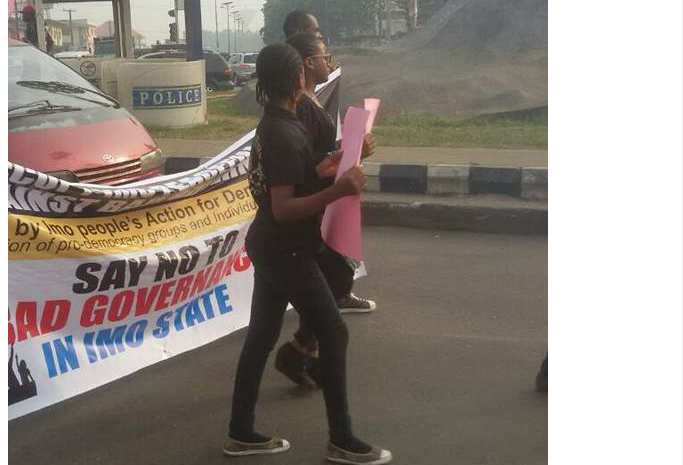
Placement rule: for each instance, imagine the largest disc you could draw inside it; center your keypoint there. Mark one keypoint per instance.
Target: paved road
(442, 373)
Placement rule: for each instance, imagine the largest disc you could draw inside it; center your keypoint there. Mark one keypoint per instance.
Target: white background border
(615, 326)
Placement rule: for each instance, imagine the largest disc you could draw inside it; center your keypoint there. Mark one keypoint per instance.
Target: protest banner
(104, 281)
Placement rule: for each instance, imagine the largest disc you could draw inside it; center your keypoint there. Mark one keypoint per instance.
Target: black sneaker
(292, 363)
(354, 304)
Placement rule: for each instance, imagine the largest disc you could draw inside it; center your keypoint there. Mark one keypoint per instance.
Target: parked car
(218, 72)
(73, 54)
(243, 66)
(59, 123)
(105, 47)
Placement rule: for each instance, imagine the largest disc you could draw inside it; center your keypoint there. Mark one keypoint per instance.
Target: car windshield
(251, 58)
(34, 76)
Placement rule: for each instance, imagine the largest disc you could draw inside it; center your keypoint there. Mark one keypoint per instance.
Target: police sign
(167, 97)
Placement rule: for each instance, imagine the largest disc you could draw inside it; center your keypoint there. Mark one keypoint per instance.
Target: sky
(150, 17)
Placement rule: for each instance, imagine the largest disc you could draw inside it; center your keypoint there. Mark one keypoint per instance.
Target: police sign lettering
(167, 97)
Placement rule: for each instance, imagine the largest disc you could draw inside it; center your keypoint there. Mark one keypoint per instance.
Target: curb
(486, 216)
(441, 179)
(446, 197)
(438, 179)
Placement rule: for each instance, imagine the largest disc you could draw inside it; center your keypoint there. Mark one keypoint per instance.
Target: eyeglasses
(327, 57)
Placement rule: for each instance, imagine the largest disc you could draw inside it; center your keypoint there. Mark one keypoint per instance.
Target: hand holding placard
(341, 221)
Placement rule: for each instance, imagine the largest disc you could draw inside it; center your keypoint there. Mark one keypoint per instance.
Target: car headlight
(152, 160)
(64, 175)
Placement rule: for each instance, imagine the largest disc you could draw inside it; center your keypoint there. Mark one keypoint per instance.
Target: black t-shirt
(281, 154)
(321, 129)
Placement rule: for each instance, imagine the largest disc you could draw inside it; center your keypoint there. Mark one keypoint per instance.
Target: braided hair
(279, 68)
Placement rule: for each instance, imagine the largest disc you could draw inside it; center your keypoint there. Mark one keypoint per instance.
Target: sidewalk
(481, 190)
(386, 155)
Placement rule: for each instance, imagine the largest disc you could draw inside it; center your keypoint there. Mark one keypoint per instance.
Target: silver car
(243, 66)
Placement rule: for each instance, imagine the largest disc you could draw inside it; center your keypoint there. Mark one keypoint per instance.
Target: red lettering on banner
(55, 315)
(216, 276)
(182, 290)
(94, 310)
(243, 263)
(121, 305)
(159, 296)
(27, 320)
(164, 294)
(146, 297)
(200, 280)
(53, 318)
(229, 262)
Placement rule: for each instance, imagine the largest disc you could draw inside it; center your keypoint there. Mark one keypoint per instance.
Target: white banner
(95, 299)
(104, 281)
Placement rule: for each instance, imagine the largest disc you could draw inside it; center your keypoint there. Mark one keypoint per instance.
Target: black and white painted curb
(439, 179)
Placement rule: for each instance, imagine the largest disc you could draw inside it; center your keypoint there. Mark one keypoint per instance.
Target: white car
(73, 54)
(243, 66)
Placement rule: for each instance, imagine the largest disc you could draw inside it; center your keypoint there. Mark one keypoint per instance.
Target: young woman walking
(282, 243)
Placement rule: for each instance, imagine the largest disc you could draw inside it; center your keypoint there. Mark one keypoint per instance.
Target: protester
(298, 359)
(28, 15)
(282, 243)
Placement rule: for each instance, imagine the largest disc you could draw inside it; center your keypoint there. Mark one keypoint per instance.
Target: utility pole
(175, 15)
(215, 12)
(387, 4)
(16, 19)
(226, 5)
(235, 18)
(71, 27)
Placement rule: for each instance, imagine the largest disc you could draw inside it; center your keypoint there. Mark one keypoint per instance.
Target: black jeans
(278, 280)
(339, 274)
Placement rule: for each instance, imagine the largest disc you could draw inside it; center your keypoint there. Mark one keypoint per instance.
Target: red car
(60, 124)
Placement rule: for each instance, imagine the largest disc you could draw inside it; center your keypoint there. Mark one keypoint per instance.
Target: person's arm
(369, 145)
(288, 208)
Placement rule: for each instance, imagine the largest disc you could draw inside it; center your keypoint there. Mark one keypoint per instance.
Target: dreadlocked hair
(305, 43)
(278, 68)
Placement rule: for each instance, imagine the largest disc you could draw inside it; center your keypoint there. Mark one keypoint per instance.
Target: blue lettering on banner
(167, 97)
(65, 355)
(195, 312)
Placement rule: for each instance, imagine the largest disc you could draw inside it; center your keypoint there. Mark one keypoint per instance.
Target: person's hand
(352, 182)
(333, 65)
(369, 145)
(328, 167)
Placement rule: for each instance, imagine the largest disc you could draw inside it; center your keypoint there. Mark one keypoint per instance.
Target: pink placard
(372, 105)
(355, 122)
(341, 221)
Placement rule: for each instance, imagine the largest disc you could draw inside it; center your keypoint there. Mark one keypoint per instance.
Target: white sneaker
(354, 304)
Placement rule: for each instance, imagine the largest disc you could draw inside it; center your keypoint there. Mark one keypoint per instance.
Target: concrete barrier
(164, 93)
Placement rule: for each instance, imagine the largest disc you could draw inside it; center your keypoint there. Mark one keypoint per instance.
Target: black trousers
(339, 275)
(278, 280)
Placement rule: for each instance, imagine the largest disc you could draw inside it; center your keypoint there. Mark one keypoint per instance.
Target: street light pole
(71, 27)
(215, 12)
(235, 17)
(226, 5)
